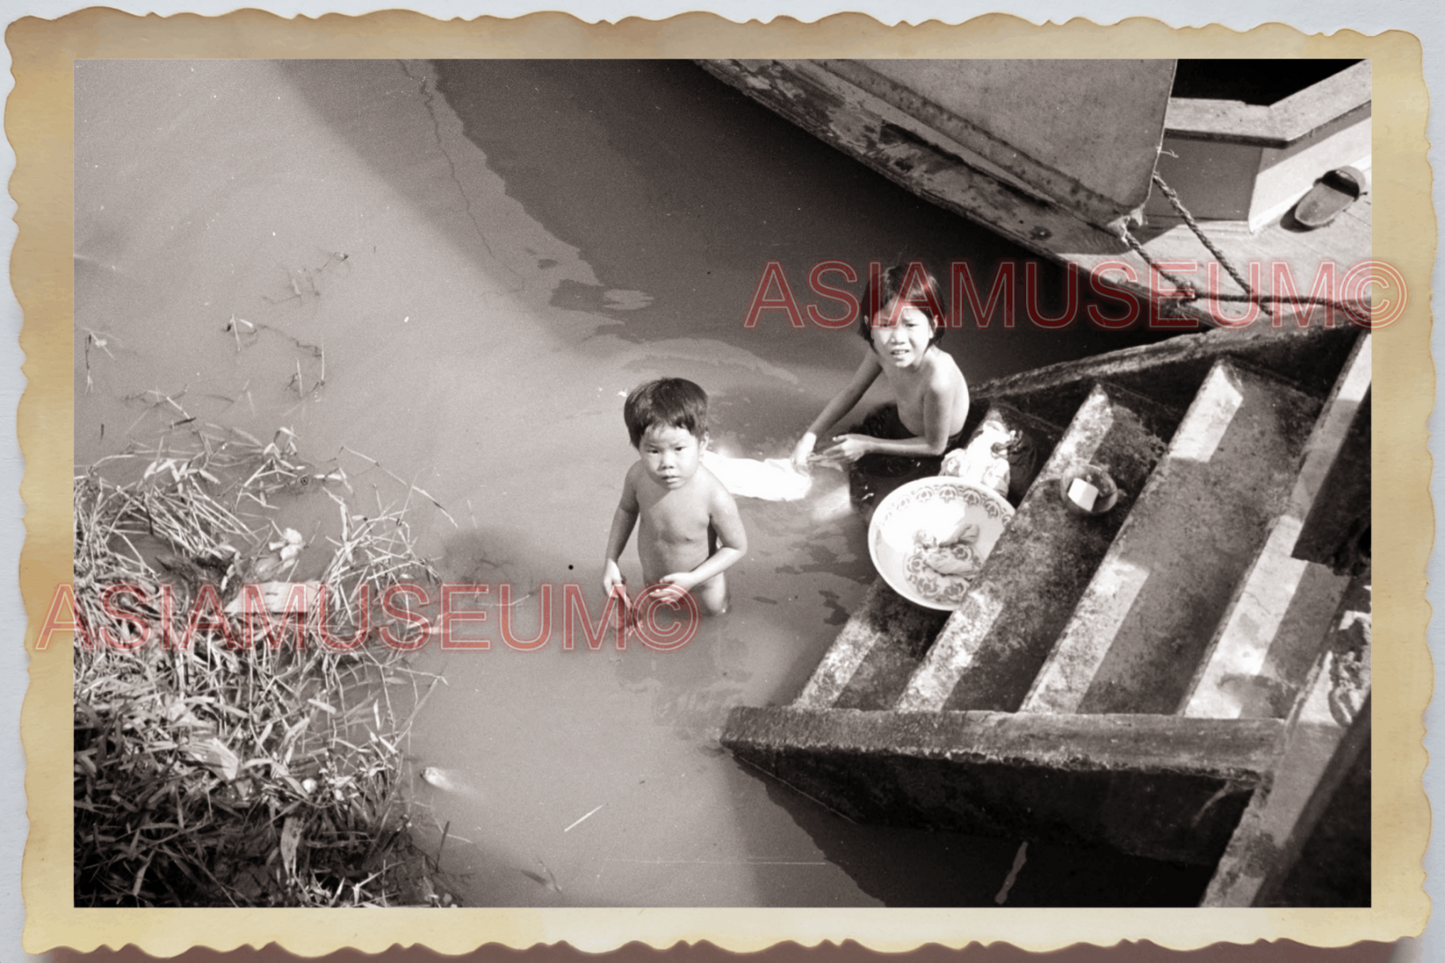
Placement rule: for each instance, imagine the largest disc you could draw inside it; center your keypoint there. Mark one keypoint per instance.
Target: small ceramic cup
(1088, 490)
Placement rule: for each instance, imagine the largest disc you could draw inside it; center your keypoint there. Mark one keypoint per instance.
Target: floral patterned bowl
(929, 538)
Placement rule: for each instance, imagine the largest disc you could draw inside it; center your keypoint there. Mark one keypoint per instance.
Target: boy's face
(903, 343)
(670, 454)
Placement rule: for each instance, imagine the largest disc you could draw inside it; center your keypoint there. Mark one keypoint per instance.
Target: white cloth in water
(982, 462)
(774, 479)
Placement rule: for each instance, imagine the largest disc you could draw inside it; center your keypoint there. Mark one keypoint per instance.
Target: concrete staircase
(1149, 679)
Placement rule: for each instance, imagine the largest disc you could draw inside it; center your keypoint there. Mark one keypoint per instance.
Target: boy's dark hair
(675, 402)
(922, 293)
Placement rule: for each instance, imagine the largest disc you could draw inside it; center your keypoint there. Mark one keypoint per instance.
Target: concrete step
(1171, 371)
(1164, 787)
(881, 646)
(991, 648)
(874, 654)
(899, 633)
(1282, 609)
(1327, 733)
(1139, 633)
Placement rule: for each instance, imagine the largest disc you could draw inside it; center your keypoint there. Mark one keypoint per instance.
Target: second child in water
(902, 322)
(690, 530)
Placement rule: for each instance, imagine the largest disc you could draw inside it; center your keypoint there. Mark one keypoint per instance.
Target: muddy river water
(457, 269)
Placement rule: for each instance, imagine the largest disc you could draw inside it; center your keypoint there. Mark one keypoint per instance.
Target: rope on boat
(1204, 239)
(1192, 293)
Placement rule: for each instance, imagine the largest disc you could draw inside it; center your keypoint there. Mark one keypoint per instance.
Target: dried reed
(213, 774)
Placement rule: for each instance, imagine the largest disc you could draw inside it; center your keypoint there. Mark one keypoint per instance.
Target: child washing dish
(902, 322)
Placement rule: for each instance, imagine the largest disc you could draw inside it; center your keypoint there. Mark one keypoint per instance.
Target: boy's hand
(849, 448)
(612, 581)
(671, 588)
(803, 451)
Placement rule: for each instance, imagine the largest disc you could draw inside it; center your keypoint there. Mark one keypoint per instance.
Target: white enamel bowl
(933, 508)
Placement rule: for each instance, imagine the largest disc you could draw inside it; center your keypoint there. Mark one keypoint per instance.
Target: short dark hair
(924, 287)
(674, 402)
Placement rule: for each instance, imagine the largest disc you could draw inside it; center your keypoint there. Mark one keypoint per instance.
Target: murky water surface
(457, 270)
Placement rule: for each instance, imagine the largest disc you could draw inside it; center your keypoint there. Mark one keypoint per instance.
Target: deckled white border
(1420, 17)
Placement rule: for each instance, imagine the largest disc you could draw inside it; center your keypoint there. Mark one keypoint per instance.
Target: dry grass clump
(216, 774)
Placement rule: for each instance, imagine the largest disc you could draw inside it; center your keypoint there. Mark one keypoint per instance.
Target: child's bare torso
(675, 532)
(911, 388)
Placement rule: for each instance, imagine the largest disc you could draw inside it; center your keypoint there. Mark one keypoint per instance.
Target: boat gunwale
(1278, 125)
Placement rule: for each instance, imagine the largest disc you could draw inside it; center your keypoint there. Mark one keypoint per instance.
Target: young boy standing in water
(690, 528)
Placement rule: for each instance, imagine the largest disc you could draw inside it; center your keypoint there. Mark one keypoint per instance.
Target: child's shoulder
(945, 370)
(636, 480)
(713, 488)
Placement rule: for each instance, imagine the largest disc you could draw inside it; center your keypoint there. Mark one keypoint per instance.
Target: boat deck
(938, 166)
(1342, 244)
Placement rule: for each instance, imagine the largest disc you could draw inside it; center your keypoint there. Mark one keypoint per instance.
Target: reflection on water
(447, 276)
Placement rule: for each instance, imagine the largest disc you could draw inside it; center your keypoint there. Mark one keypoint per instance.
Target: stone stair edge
(1049, 687)
(929, 676)
(1314, 443)
(1191, 347)
(1238, 749)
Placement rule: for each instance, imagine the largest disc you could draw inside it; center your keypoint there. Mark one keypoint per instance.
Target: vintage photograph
(723, 483)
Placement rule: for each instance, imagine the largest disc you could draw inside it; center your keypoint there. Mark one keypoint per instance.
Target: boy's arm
(938, 401)
(623, 521)
(732, 541)
(841, 404)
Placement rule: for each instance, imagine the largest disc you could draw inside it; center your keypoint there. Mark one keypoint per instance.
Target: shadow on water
(491, 555)
(676, 190)
(916, 867)
(691, 689)
(670, 182)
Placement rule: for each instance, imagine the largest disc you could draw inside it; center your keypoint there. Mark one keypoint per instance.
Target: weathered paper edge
(39, 123)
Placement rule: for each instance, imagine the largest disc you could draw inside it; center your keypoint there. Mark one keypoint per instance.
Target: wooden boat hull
(1060, 158)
